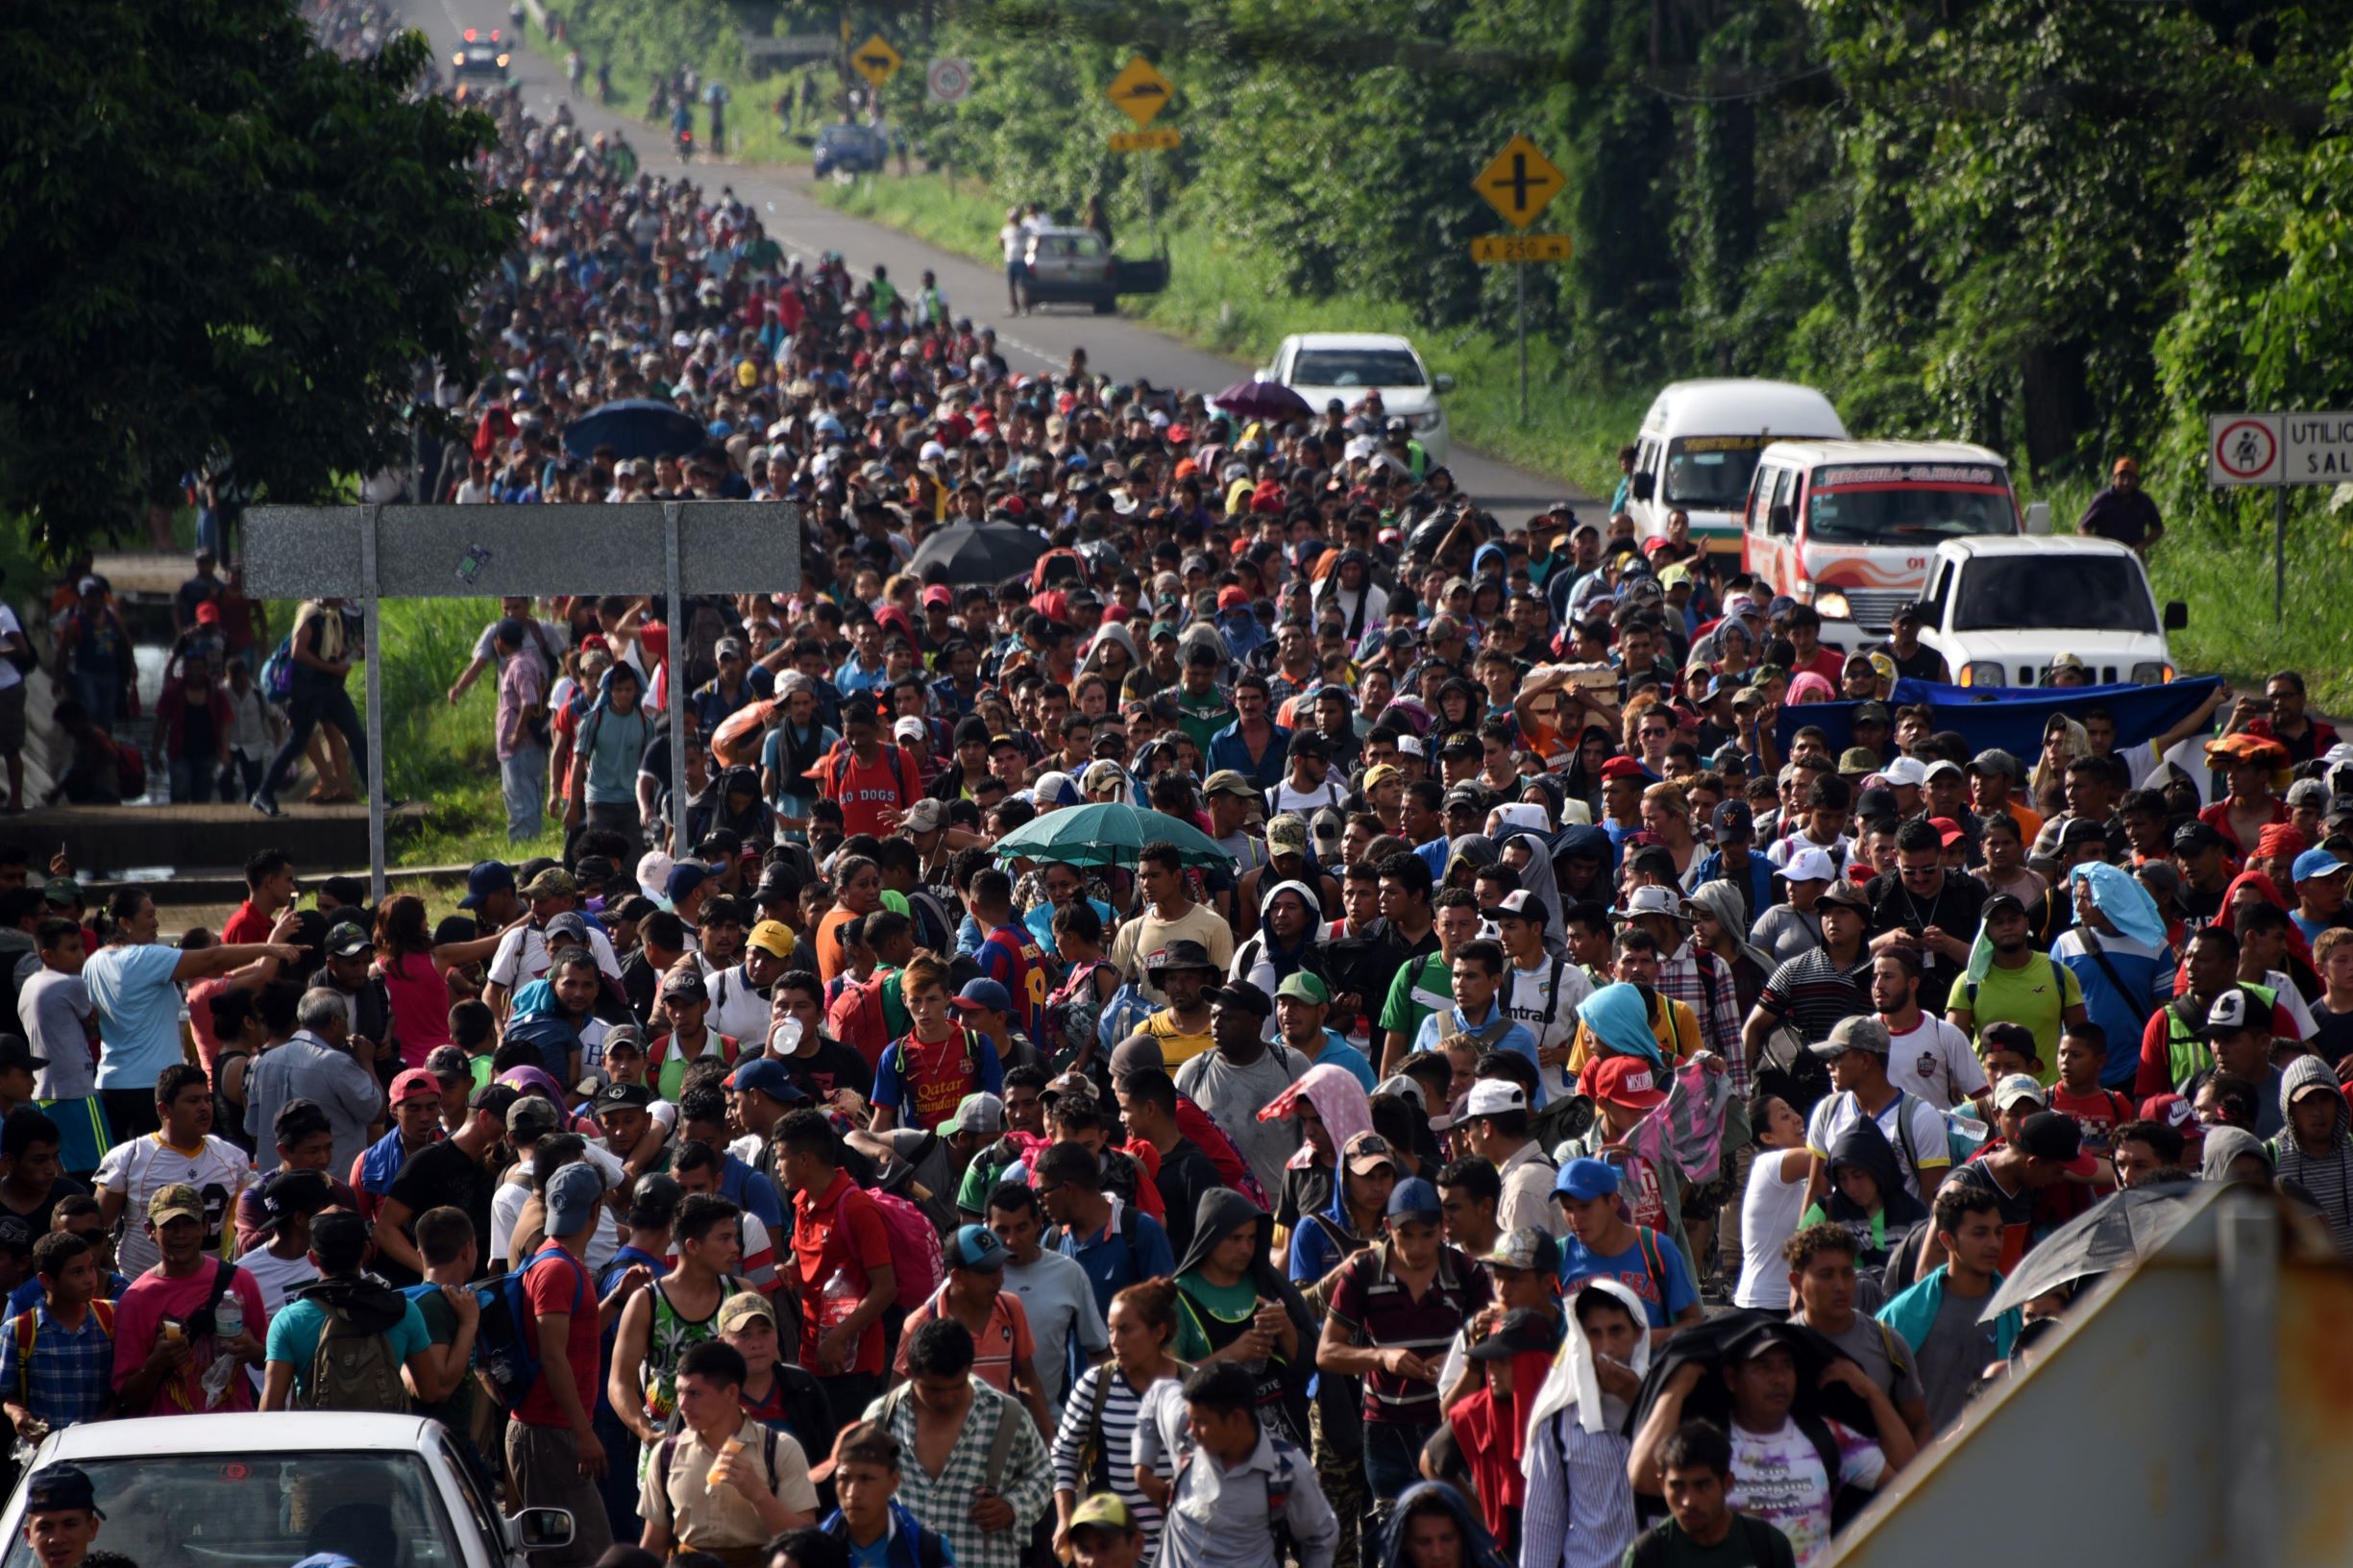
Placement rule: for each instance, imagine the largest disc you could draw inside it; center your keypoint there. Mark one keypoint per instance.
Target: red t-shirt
(560, 1286)
(866, 789)
(2097, 1114)
(246, 924)
(837, 1228)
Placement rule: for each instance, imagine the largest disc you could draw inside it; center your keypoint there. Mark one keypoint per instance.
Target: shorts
(1702, 1199)
(13, 719)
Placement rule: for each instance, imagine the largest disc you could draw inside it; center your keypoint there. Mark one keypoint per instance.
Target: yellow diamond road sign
(877, 61)
(1519, 183)
(1140, 90)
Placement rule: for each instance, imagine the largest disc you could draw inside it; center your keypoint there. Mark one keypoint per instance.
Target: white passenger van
(1700, 444)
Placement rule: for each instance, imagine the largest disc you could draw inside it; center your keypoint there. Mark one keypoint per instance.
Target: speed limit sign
(948, 80)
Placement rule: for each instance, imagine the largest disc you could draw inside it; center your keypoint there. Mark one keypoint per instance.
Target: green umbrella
(1108, 833)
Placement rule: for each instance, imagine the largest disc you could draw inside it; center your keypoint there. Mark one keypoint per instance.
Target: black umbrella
(635, 428)
(2114, 1233)
(982, 553)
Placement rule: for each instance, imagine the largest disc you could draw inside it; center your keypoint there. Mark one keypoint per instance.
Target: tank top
(672, 1338)
(420, 1006)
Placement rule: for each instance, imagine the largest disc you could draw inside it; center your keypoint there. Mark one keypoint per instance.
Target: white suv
(1320, 366)
(2006, 606)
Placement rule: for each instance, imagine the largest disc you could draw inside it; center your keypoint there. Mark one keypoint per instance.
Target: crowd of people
(1524, 1099)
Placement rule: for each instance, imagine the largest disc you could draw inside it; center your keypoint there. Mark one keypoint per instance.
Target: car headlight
(1981, 673)
(2151, 675)
(1832, 605)
(1424, 423)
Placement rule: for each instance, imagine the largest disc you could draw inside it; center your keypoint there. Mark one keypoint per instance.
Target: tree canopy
(217, 237)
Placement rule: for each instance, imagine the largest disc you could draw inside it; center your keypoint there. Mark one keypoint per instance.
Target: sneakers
(264, 804)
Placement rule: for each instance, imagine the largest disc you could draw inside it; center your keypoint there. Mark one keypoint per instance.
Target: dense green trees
(217, 238)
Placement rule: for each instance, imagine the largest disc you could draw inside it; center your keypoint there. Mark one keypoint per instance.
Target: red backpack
(856, 1020)
(916, 1260)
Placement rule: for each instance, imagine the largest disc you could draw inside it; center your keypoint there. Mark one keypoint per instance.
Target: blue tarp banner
(2012, 717)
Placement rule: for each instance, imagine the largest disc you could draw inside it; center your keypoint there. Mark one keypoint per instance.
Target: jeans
(317, 697)
(242, 777)
(1392, 1458)
(192, 779)
(523, 782)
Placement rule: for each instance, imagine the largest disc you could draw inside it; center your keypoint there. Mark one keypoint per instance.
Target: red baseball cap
(1626, 1081)
(207, 613)
(1623, 768)
(1233, 598)
(416, 1084)
(1948, 831)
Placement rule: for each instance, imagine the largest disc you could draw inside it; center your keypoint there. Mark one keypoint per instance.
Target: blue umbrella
(634, 428)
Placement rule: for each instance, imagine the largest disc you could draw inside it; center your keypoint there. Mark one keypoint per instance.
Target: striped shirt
(1121, 1405)
(1580, 1509)
(71, 1375)
(1814, 993)
(1376, 1310)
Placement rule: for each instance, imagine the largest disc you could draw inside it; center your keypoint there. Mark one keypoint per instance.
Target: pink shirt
(154, 1297)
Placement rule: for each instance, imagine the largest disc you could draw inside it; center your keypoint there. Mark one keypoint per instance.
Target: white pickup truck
(265, 1490)
(2004, 606)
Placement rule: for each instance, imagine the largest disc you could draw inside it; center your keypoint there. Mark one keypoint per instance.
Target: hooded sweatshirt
(2224, 1146)
(1864, 1147)
(1283, 1386)
(2327, 1177)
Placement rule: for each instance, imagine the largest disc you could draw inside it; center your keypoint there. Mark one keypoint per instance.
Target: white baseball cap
(1494, 1096)
(1810, 865)
(2015, 1087)
(1906, 771)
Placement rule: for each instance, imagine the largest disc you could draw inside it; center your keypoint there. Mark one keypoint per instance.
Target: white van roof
(1733, 407)
(1811, 454)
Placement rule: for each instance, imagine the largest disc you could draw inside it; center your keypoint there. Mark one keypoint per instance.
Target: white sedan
(1320, 366)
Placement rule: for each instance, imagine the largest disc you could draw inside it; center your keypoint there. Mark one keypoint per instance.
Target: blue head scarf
(1621, 1022)
(2118, 894)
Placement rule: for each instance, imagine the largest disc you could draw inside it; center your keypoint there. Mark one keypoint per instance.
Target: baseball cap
(1302, 986)
(1949, 832)
(1183, 953)
(1842, 894)
(1226, 781)
(553, 882)
(1413, 1199)
(773, 938)
(983, 1114)
(2195, 836)
(975, 1247)
(2228, 1016)
(1287, 834)
(61, 890)
(64, 1488)
(925, 816)
(741, 1308)
(489, 876)
(1734, 823)
(621, 1096)
(685, 876)
(1519, 904)
(285, 1191)
(1623, 768)
(2173, 1111)
(572, 1196)
(1249, 998)
(1367, 1152)
(1494, 1097)
(1527, 1249)
(348, 940)
(178, 1201)
(1104, 1511)
(1994, 760)
(1808, 866)
(2054, 1136)
(416, 1084)
(2016, 1037)
(2001, 904)
(766, 1075)
(532, 1117)
(982, 995)
(1626, 1081)
(15, 1053)
(1866, 713)
(1134, 1055)
(687, 984)
(1586, 1178)
(449, 1063)
(1858, 1033)
(570, 923)
(1524, 1331)
(908, 727)
(1655, 901)
(2314, 864)
(2015, 1087)
(1859, 759)
(1906, 771)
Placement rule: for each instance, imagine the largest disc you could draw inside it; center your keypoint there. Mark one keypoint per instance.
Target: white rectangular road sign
(2317, 449)
(2279, 448)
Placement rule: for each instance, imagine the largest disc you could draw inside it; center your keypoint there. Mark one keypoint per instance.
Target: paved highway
(1121, 349)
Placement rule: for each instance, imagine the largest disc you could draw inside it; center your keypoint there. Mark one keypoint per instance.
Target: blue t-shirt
(1316, 1250)
(1112, 1266)
(294, 1337)
(1340, 1054)
(139, 1011)
(617, 745)
(1651, 1269)
(1519, 1040)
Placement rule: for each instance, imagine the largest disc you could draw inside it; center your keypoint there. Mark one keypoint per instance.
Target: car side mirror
(542, 1529)
(2176, 614)
(1645, 486)
(2038, 517)
(1441, 383)
(1778, 520)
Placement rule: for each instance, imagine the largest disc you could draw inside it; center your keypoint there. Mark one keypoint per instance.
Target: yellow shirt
(1176, 1047)
(1673, 1024)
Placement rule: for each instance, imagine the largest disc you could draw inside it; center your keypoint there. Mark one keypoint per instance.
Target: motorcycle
(686, 145)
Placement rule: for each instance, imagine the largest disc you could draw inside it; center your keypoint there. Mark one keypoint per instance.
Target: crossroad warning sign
(1139, 91)
(1519, 182)
(877, 61)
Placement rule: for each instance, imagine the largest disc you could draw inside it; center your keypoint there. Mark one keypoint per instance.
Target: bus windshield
(1908, 503)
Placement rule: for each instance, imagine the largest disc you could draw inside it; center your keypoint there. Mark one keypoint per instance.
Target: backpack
(916, 1266)
(25, 1327)
(855, 1017)
(353, 1369)
(276, 680)
(509, 1355)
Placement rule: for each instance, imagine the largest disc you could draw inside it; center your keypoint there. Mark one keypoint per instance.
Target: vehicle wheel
(1104, 307)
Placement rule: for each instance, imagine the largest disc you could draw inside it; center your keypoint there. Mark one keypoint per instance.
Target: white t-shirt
(1769, 1213)
(1834, 1116)
(1779, 1478)
(506, 1207)
(522, 956)
(143, 1166)
(1283, 799)
(1934, 1062)
(1780, 850)
(9, 673)
(1525, 1003)
(1013, 236)
(737, 1010)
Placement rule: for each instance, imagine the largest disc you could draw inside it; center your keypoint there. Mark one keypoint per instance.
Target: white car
(1320, 366)
(264, 1490)
(2006, 607)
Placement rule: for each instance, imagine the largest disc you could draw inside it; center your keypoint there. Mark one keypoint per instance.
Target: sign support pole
(1520, 272)
(2279, 556)
(372, 638)
(677, 679)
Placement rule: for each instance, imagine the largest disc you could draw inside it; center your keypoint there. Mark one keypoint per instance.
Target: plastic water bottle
(837, 1302)
(227, 1323)
(229, 1317)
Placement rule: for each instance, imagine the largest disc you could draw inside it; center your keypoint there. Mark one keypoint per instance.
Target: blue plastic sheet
(2012, 718)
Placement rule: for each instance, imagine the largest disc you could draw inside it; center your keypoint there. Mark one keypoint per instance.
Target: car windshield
(266, 1510)
(2053, 593)
(1356, 367)
(1907, 503)
(1080, 244)
(1711, 472)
